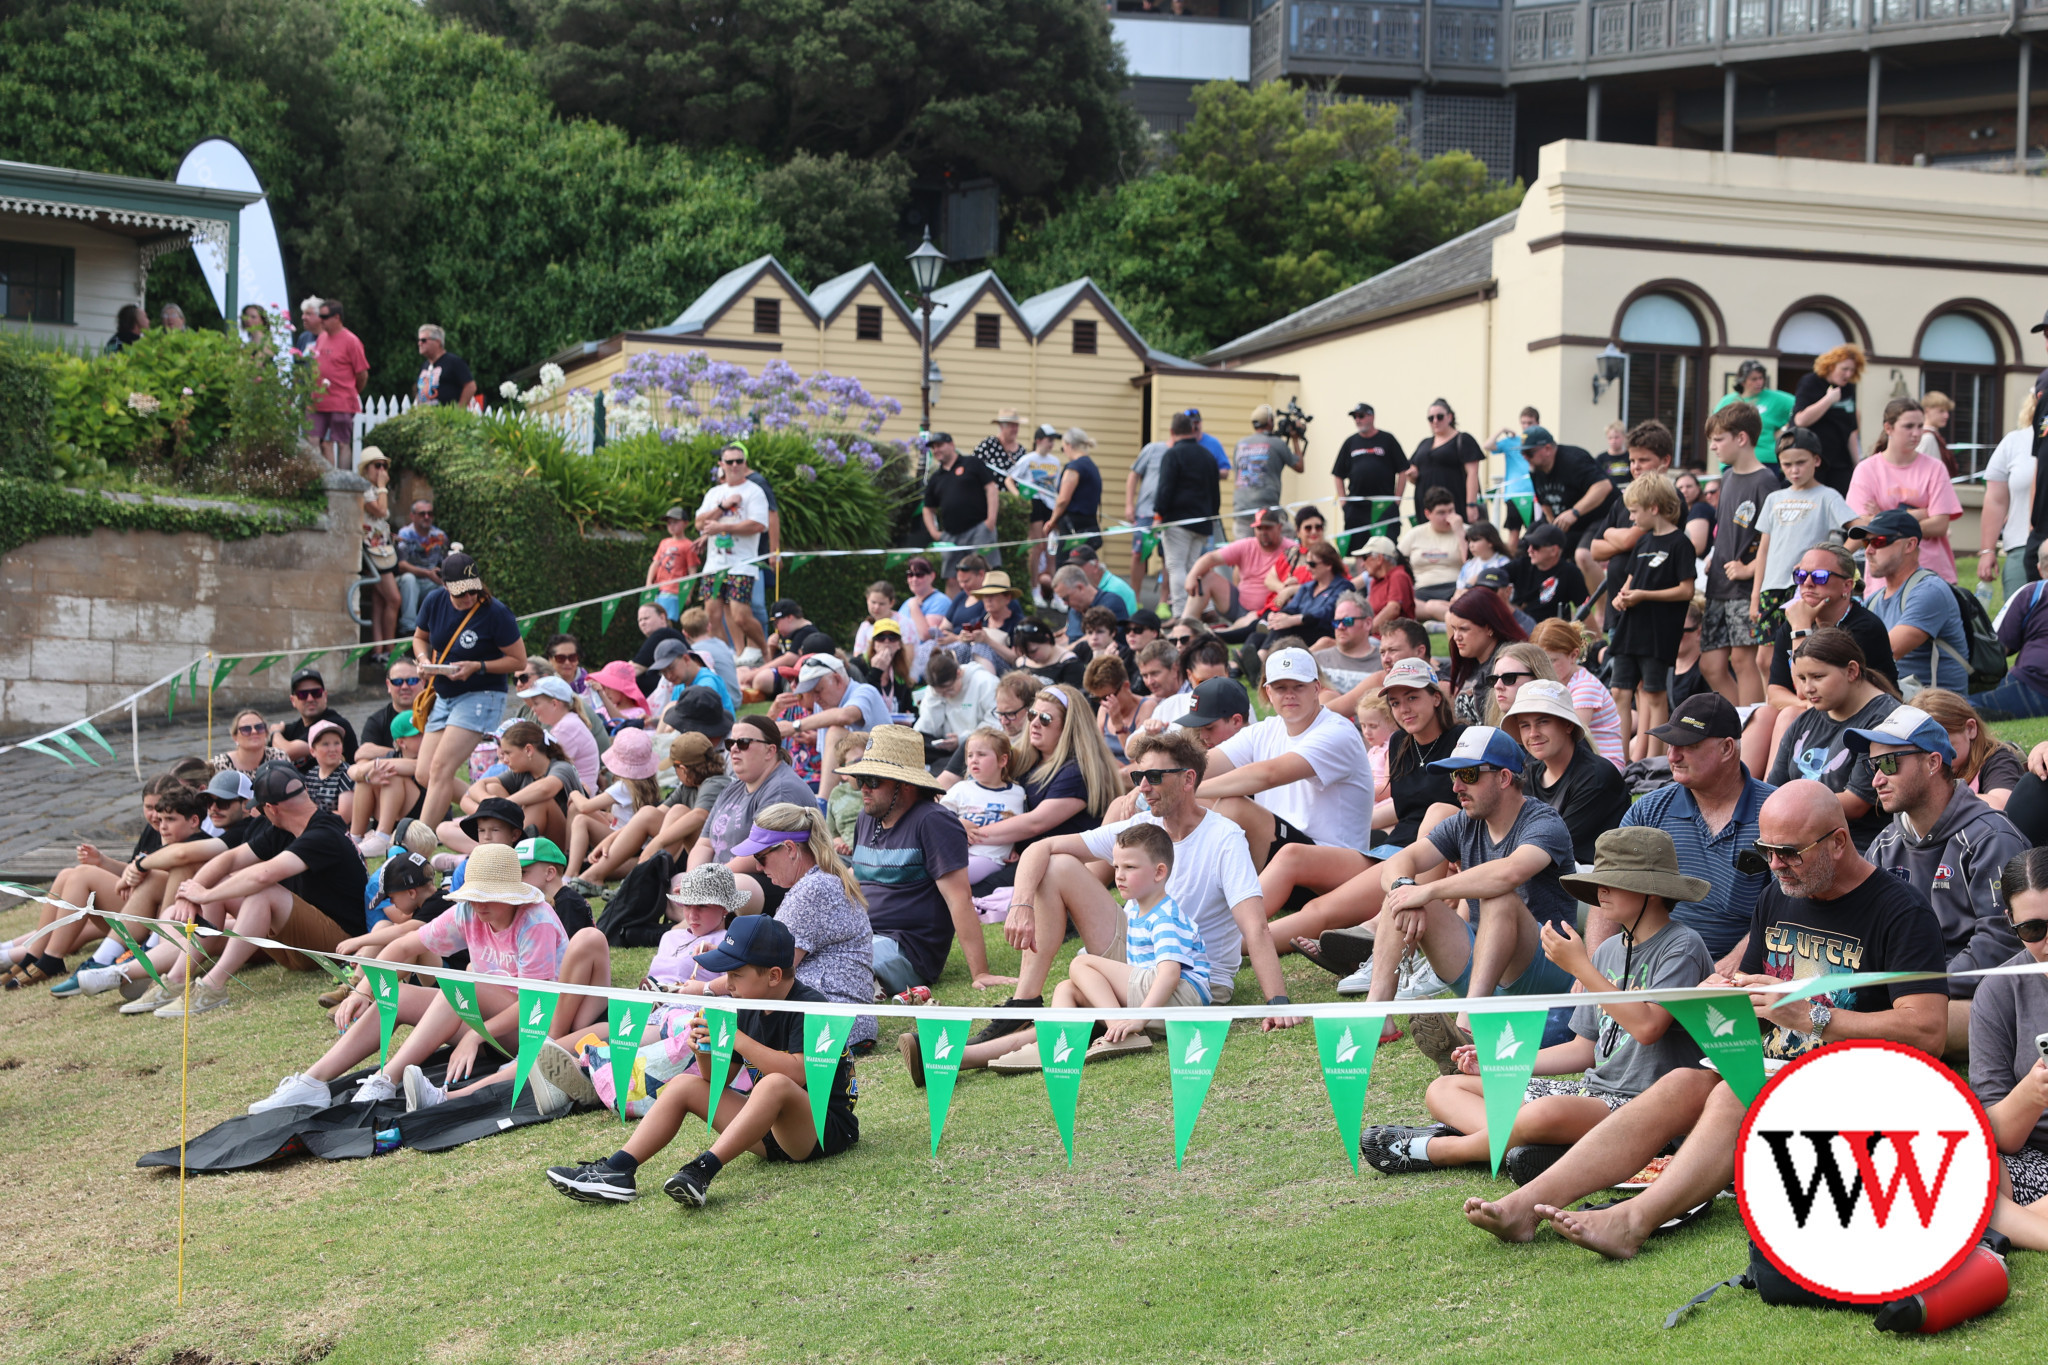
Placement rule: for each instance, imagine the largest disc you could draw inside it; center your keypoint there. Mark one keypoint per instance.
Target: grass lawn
(1265, 1247)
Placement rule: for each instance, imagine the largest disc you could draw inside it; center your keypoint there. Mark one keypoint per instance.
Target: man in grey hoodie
(1955, 862)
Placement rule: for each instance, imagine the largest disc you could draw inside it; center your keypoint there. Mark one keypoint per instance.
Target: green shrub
(26, 399)
(38, 508)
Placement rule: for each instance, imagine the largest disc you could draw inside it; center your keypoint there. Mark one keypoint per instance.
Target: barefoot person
(1824, 908)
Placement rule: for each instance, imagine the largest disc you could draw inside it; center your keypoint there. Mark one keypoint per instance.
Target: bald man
(1825, 910)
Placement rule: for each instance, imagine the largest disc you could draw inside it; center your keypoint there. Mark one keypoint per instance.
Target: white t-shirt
(1796, 520)
(622, 803)
(749, 503)
(1038, 476)
(981, 806)
(1334, 805)
(1212, 871)
(1171, 709)
(2012, 464)
(1434, 558)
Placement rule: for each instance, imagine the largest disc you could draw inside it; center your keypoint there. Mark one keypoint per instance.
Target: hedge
(26, 398)
(36, 508)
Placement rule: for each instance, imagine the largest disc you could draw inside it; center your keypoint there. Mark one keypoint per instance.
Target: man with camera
(1261, 460)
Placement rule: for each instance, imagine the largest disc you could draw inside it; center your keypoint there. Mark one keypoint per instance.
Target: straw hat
(997, 584)
(1638, 858)
(1541, 697)
(493, 875)
(372, 455)
(1005, 415)
(897, 753)
(631, 755)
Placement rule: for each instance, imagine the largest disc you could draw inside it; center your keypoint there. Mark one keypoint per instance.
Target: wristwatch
(1400, 882)
(1802, 634)
(1278, 1000)
(1818, 1016)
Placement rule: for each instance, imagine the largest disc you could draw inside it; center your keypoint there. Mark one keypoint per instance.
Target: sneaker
(150, 1001)
(750, 657)
(1437, 1036)
(99, 980)
(584, 887)
(548, 1098)
(594, 1182)
(1386, 1147)
(913, 1056)
(446, 863)
(295, 1091)
(559, 1067)
(420, 1093)
(1003, 1028)
(1523, 1164)
(1419, 980)
(375, 845)
(1358, 983)
(686, 1186)
(66, 988)
(204, 999)
(374, 1087)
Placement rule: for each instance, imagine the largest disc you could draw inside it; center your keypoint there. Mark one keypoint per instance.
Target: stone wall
(84, 621)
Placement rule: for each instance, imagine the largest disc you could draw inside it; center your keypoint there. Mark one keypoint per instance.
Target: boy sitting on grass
(1165, 962)
(773, 1120)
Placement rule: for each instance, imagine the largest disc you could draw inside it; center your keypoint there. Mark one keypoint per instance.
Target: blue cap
(1483, 744)
(1907, 725)
(752, 941)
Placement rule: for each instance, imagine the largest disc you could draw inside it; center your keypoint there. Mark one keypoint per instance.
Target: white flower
(551, 376)
(508, 389)
(143, 403)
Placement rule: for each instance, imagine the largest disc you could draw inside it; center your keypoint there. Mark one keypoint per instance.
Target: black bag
(637, 914)
(1986, 662)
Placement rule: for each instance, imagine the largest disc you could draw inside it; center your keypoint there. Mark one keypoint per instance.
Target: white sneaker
(1358, 983)
(376, 1087)
(550, 1099)
(204, 999)
(1418, 980)
(421, 1093)
(295, 1091)
(750, 657)
(375, 845)
(98, 980)
(156, 998)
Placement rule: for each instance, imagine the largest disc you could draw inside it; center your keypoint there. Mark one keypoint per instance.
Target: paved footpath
(52, 808)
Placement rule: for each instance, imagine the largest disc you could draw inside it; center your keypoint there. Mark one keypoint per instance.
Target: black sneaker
(1385, 1148)
(687, 1186)
(1003, 1028)
(594, 1182)
(1523, 1164)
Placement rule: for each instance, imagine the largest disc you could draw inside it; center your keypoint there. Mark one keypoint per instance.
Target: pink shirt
(1588, 694)
(1879, 484)
(1252, 563)
(578, 745)
(530, 947)
(343, 367)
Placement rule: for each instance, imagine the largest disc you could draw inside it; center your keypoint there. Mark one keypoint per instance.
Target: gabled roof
(834, 294)
(1042, 312)
(950, 303)
(727, 290)
(1462, 264)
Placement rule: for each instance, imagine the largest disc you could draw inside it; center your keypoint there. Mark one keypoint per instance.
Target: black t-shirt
(1591, 797)
(334, 879)
(1686, 684)
(1542, 593)
(1834, 427)
(491, 632)
(1863, 627)
(1065, 782)
(377, 729)
(1616, 517)
(1571, 473)
(243, 830)
(296, 727)
(810, 640)
(957, 494)
(1883, 924)
(1444, 467)
(1413, 786)
(2040, 521)
(149, 842)
(442, 381)
(1653, 629)
(783, 1030)
(1369, 465)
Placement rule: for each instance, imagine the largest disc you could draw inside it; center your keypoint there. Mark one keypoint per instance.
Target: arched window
(1801, 339)
(1663, 340)
(1959, 357)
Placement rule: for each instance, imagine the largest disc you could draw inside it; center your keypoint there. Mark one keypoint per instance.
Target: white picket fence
(577, 431)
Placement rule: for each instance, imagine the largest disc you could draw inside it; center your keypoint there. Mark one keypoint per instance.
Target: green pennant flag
(171, 701)
(825, 1038)
(536, 1013)
(896, 559)
(799, 561)
(38, 747)
(128, 942)
(564, 621)
(461, 997)
(1148, 546)
(942, 1041)
(1507, 1044)
(605, 612)
(326, 964)
(1192, 1051)
(400, 649)
(526, 626)
(192, 679)
(717, 584)
(1061, 1048)
(624, 1021)
(355, 656)
(307, 662)
(72, 744)
(721, 1025)
(221, 671)
(94, 736)
(384, 990)
(263, 663)
(647, 596)
(1726, 1030)
(1347, 1047)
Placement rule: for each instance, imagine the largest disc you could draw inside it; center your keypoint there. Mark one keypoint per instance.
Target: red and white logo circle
(1866, 1171)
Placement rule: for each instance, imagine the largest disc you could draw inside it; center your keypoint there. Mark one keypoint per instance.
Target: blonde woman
(1513, 666)
(822, 907)
(1068, 774)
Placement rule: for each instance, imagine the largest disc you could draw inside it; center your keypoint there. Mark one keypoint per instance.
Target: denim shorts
(1540, 977)
(475, 711)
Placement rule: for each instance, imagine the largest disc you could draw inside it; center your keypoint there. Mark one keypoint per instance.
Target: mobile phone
(2041, 1043)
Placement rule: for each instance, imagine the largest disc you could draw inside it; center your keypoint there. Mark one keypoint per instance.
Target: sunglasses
(1470, 776)
(1152, 777)
(1511, 679)
(215, 803)
(1348, 620)
(732, 462)
(1889, 764)
(564, 658)
(326, 317)
(313, 694)
(740, 746)
(1044, 718)
(918, 573)
(1439, 417)
(867, 782)
(1182, 640)
(252, 729)
(404, 682)
(1785, 853)
(1875, 542)
(1820, 578)
(2030, 930)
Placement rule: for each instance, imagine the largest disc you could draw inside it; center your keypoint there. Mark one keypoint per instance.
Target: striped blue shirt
(1166, 934)
(1724, 916)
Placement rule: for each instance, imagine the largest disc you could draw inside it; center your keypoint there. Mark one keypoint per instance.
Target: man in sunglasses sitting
(1947, 841)
(402, 684)
(309, 699)
(1825, 911)
(1919, 611)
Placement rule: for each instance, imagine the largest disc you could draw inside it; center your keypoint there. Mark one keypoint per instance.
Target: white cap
(815, 669)
(1415, 673)
(1291, 665)
(552, 686)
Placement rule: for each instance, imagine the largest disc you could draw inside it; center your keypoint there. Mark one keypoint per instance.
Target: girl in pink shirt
(1898, 475)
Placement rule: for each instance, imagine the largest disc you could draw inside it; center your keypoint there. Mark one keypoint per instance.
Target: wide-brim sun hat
(492, 875)
(897, 753)
(1638, 858)
(996, 584)
(1541, 697)
(620, 677)
(711, 884)
(632, 755)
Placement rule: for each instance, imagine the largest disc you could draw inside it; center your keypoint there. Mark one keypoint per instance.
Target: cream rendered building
(1687, 262)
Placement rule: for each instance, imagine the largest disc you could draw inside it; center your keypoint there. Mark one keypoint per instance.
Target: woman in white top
(2009, 502)
(1565, 643)
(1435, 550)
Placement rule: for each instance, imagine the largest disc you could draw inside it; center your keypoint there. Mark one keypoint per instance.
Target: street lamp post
(925, 264)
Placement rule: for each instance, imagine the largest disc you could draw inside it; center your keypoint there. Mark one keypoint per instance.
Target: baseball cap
(404, 727)
(276, 782)
(1144, 618)
(1801, 438)
(552, 686)
(1481, 744)
(698, 710)
(2041, 326)
(815, 669)
(404, 870)
(495, 808)
(690, 749)
(1362, 410)
(1905, 725)
(1291, 665)
(665, 653)
(230, 785)
(1412, 673)
(1495, 577)
(888, 625)
(459, 574)
(1081, 554)
(1704, 715)
(751, 941)
(1380, 545)
(939, 438)
(1537, 436)
(1893, 522)
(784, 606)
(1270, 516)
(539, 850)
(1217, 699)
(1542, 534)
(308, 675)
(1046, 429)
(675, 514)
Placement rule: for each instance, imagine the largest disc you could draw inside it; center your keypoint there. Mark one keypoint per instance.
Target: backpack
(637, 914)
(1986, 661)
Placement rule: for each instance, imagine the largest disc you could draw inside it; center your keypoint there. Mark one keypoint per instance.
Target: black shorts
(841, 1132)
(1640, 671)
(1285, 834)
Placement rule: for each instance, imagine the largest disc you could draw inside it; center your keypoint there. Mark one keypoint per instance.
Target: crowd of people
(1664, 744)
